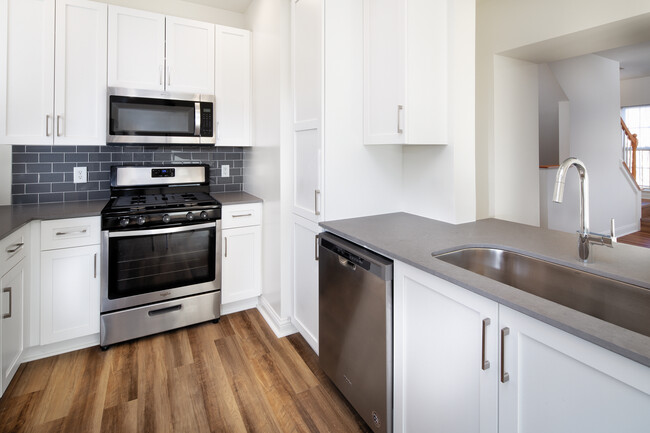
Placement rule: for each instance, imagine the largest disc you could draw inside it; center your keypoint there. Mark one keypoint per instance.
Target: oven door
(146, 266)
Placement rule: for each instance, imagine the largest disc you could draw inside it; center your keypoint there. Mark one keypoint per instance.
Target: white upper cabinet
(233, 86)
(190, 56)
(136, 49)
(405, 71)
(34, 108)
(147, 50)
(80, 73)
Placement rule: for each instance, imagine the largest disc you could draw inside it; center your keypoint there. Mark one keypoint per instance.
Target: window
(637, 120)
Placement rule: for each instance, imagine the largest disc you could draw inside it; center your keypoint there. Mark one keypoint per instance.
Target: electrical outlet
(80, 175)
(225, 171)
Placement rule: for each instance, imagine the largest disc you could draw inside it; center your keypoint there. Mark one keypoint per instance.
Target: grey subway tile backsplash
(43, 174)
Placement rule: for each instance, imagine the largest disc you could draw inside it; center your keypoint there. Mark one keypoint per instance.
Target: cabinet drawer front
(73, 232)
(12, 249)
(241, 215)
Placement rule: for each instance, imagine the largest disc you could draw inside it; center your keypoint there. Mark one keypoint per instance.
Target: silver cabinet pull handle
(47, 125)
(58, 125)
(95, 265)
(485, 364)
(225, 248)
(316, 248)
(399, 122)
(504, 376)
(8, 290)
(15, 248)
(242, 215)
(82, 231)
(316, 209)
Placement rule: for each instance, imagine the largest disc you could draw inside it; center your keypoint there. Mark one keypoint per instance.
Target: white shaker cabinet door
(12, 284)
(26, 71)
(305, 279)
(80, 73)
(136, 49)
(241, 263)
(560, 383)
(69, 293)
(190, 56)
(446, 359)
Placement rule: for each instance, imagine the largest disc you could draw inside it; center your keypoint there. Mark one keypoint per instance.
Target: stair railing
(630, 144)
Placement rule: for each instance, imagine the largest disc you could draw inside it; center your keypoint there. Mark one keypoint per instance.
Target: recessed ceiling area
(239, 6)
(634, 59)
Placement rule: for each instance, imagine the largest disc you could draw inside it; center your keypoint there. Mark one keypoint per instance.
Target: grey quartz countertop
(241, 197)
(411, 239)
(14, 216)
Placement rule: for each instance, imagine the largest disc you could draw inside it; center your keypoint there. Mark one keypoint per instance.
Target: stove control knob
(166, 218)
(189, 216)
(141, 220)
(204, 215)
(124, 222)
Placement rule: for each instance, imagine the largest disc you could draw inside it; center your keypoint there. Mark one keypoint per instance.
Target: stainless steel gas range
(161, 251)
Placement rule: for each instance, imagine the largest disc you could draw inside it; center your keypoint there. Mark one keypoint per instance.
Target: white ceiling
(229, 5)
(634, 59)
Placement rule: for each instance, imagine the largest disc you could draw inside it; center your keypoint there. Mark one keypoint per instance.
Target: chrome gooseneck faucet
(585, 237)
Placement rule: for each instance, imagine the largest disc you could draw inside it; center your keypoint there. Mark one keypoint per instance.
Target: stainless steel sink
(614, 301)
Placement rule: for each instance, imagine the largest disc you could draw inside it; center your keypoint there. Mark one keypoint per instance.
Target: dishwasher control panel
(359, 261)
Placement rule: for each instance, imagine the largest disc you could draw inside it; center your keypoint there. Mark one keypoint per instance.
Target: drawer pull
(225, 249)
(15, 248)
(504, 375)
(72, 232)
(8, 290)
(242, 215)
(164, 310)
(485, 364)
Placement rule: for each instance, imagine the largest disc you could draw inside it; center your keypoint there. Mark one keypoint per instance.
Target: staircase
(645, 216)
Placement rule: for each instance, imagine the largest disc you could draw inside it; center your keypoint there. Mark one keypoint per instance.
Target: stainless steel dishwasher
(356, 327)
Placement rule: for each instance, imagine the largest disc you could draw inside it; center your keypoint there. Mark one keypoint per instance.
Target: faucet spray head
(558, 191)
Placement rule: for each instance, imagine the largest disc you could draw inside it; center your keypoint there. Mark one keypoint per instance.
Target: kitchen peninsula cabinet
(539, 378)
(53, 72)
(405, 72)
(70, 261)
(151, 51)
(241, 256)
(233, 86)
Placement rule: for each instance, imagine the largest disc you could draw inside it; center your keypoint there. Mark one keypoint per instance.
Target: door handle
(95, 265)
(58, 125)
(316, 209)
(225, 248)
(316, 248)
(485, 364)
(8, 290)
(504, 376)
(169, 78)
(399, 120)
(47, 125)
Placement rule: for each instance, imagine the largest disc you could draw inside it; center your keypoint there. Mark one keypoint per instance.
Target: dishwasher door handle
(348, 264)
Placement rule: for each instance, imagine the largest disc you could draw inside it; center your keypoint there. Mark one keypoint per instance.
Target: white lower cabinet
(563, 384)
(539, 379)
(241, 257)
(305, 279)
(441, 383)
(69, 279)
(11, 323)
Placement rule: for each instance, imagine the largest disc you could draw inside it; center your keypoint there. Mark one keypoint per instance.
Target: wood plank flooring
(233, 376)
(639, 239)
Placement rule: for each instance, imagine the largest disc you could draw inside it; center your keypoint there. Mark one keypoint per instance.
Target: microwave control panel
(207, 119)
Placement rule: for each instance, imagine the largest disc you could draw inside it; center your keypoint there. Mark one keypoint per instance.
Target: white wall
(516, 153)
(180, 8)
(591, 84)
(541, 31)
(550, 96)
(635, 91)
(267, 165)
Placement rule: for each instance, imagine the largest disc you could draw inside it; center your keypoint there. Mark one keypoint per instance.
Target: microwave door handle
(197, 119)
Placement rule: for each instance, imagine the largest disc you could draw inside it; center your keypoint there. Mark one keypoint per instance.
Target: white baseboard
(627, 229)
(309, 338)
(234, 307)
(39, 352)
(280, 326)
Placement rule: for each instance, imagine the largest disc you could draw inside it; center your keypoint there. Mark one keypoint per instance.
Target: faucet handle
(612, 231)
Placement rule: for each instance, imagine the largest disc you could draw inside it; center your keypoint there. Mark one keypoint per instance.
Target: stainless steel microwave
(157, 117)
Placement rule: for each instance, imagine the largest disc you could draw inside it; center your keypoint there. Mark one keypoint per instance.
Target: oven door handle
(133, 233)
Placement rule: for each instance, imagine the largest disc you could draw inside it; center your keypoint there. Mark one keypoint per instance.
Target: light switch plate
(80, 175)
(225, 170)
